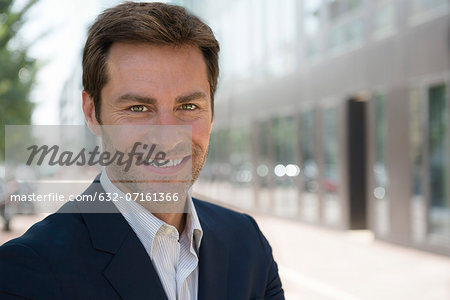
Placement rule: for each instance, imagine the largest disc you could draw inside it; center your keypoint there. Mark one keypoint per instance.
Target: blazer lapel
(130, 271)
(213, 261)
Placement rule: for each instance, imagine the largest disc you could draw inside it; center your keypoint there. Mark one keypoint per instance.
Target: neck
(177, 220)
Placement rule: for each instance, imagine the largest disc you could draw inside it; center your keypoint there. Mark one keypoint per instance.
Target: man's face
(157, 85)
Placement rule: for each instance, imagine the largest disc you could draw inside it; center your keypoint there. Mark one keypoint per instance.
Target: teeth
(170, 163)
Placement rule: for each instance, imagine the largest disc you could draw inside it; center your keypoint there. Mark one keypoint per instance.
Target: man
(144, 64)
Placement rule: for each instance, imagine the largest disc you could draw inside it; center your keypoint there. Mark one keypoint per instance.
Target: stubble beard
(198, 161)
(133, 182)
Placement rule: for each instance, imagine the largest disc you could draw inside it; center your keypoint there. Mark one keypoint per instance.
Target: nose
(166, 116)
(170, 135)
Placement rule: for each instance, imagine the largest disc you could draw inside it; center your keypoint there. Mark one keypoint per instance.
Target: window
(280, 16)
(331, 150)
(284, 133)
(263, 152)
(308, 167)
(421, 6)
(312, 25)
(381, 177)
(307, 145)
(264, 164)
(240, 156)
(242, 167)
(312, 17)
(384, 19)
(257, 35)
(339, 8)
(286, 170)
(218, 166)
(438, 162)
(380, 173)
(241, 40)
(284, 139)
(346, 25)
(416, 139)
(418, 206)
(331, 166)
(424, 10)
(348, 33)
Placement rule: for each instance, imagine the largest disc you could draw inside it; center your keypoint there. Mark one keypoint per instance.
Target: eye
(138, 108)
(188, 106)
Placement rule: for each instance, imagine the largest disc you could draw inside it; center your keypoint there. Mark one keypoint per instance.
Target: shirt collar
(145, 224)
(193, 227)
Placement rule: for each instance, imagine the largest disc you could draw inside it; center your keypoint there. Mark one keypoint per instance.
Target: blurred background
(332, 128)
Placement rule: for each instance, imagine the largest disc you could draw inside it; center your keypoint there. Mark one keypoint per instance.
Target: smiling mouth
(167, 163)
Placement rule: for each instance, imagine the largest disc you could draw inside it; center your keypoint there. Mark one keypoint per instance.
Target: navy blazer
(98, 256)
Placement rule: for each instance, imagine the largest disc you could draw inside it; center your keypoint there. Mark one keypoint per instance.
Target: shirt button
(168, 230)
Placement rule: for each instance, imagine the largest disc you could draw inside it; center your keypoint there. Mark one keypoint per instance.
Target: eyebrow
(194, 96)
(131, 97)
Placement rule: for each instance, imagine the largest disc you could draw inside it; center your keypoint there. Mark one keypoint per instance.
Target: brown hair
(154, 23)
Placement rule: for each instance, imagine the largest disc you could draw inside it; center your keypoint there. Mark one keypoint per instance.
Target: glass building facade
(284, 139)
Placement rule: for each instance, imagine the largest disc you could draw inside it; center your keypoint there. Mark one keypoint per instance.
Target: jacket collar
(213, 258)
(130, 271)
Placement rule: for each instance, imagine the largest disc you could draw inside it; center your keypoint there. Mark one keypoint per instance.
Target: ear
(89, 113)
(211, 127)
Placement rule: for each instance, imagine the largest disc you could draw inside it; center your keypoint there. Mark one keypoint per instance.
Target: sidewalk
(320, 264)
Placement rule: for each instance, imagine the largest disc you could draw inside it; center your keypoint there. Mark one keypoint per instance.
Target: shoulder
(48, 243)
(228, 222)
(251, 263)
(218, 214)
(55, 231)
(31, 257)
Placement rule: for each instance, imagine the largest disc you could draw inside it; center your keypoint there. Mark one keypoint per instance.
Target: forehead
(141, 56)
(159, 71)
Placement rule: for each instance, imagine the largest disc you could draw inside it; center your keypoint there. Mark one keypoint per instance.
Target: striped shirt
(174, 257)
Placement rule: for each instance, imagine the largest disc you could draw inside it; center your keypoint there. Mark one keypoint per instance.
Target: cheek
(200, 134)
